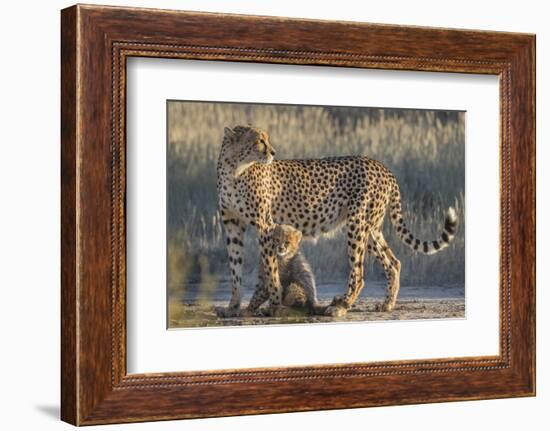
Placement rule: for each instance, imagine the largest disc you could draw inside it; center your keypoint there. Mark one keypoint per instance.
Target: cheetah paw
(385, 307)
(228, 312)
(335, 311)
(339, 301)
(278, 311)
(247, 312)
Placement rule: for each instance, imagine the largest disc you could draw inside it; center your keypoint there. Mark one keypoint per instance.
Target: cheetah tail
(421, 246)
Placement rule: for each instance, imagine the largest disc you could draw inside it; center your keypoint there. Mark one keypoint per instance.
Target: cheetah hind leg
(357, 239)
(392, 268)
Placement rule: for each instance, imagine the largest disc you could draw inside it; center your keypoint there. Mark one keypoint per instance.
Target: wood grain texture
(69, 366)
(96, 41)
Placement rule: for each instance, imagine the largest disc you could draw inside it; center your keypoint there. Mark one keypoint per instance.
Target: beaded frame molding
(95, 43)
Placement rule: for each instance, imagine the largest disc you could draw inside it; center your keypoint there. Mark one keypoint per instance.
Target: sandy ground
(197, 315)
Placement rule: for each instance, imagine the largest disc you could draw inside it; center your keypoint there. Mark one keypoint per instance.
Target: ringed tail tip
(451, 215)
(451, 223)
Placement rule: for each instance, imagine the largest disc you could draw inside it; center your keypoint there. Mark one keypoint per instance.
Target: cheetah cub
(295, 274)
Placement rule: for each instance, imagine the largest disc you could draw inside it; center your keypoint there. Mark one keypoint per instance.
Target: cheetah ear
(298, 235)
(228, 133)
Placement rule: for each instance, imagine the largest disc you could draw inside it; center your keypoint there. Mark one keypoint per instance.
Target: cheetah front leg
(234, 232)
(357, 237)
(260, 294)
(268, 259)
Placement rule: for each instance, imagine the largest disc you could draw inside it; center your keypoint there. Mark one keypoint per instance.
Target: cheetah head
(248, 145)
(286, 240)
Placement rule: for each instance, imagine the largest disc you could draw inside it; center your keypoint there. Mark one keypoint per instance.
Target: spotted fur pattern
(314, 196)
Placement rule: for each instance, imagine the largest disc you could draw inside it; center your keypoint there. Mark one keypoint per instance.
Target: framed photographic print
(325, 214)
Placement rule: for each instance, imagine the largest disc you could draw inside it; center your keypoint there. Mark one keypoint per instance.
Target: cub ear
(228, 133)
(298, 235)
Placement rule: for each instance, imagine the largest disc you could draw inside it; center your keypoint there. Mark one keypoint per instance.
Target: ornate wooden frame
(95, 43)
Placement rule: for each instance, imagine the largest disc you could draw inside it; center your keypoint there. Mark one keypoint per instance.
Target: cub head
(286, 240)
(248, 145)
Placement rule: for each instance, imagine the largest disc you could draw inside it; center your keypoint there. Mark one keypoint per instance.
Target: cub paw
(335, 311)
(228, 312)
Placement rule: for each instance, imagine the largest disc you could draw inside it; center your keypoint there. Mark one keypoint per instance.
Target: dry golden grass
(424, 149)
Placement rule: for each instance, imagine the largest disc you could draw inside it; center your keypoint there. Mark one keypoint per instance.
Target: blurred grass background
(424, 149)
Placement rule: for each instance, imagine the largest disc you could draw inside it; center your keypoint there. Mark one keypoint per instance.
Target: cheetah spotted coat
(314, 196)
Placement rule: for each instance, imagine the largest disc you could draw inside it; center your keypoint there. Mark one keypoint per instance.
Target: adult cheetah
(315, 196)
